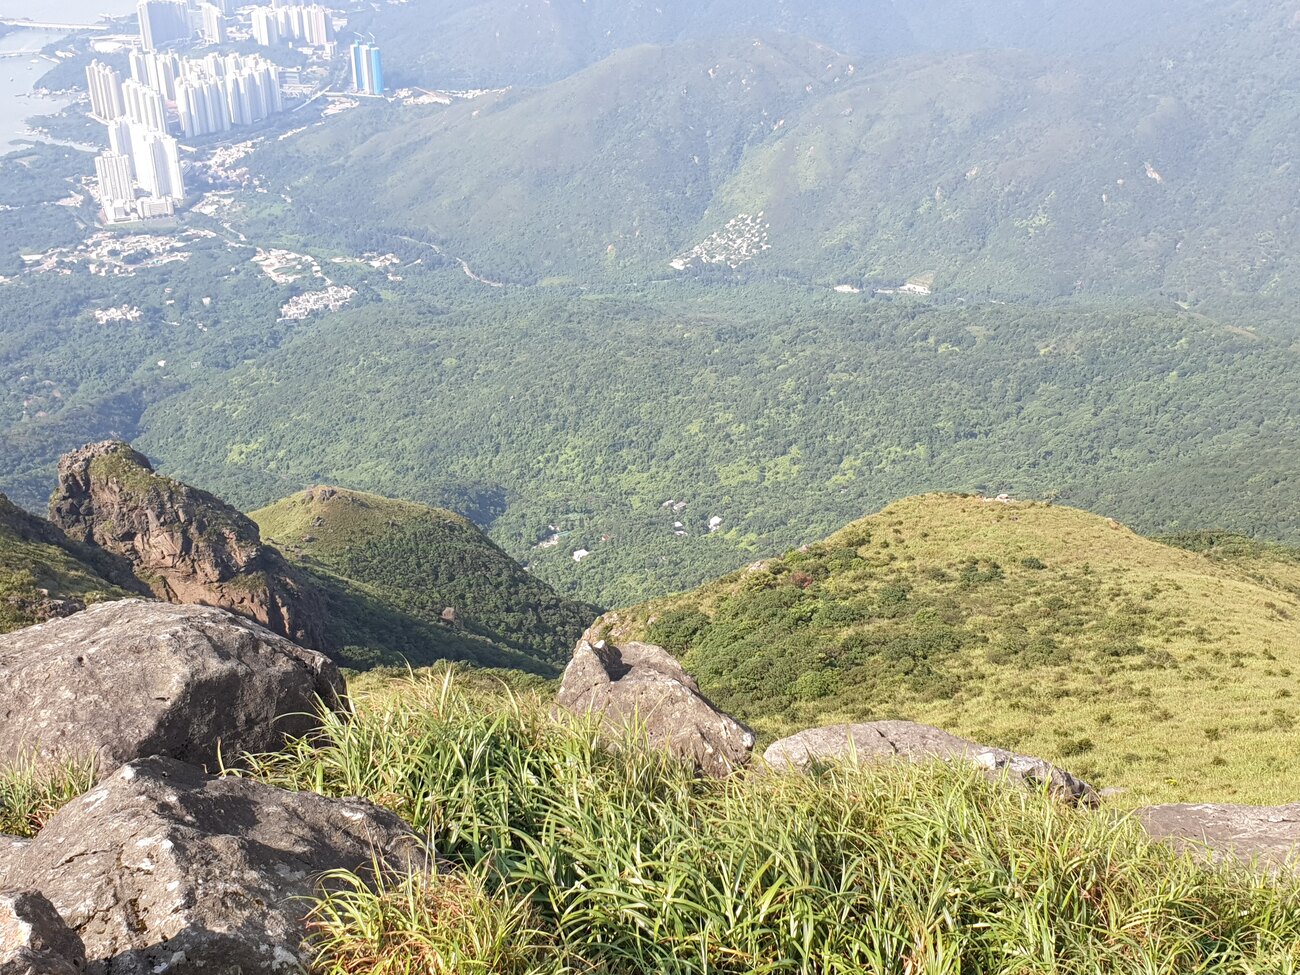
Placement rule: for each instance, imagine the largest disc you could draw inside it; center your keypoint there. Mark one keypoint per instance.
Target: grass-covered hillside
(564, 857)
(560, 855)
(43, 574)
(424, 562)
(1137, 664)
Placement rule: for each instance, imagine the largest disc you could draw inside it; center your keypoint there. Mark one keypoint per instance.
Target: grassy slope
(1145, 666)
(570, 857)
(420, 561)
(34, 556)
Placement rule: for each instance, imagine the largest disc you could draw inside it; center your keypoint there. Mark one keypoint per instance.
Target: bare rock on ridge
(185, 544)
(163, 869)
(643, 683)
(128, 679)
(889, 740)
(1267, 835)
(34, 940)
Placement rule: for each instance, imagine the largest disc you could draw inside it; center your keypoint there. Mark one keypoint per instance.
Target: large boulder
(1267, 835)
(162, 868)
(34, 940)
(641, 684)
(185, 544)
(890, 740)
(129, 679)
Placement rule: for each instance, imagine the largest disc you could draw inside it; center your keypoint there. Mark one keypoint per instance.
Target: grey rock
(887, 740)
(34, 940)
(129, 679)
(1267, 835)
(644, 684)
(163, 869)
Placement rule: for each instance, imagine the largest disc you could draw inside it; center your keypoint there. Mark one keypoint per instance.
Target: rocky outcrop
(185, 544)
(34, 940)
(644, 685)
(889, 740)
(164, 869)
(128, 679)
(1267, 835)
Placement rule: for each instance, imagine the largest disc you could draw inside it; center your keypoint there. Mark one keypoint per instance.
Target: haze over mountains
(1117, 150)
(513, 436)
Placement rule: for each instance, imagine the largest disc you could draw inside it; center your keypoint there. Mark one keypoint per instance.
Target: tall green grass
(566, 856)
(30, 795)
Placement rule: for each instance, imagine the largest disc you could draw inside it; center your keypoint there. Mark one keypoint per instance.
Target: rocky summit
(641, 686)
(185, 544)
(129, 679)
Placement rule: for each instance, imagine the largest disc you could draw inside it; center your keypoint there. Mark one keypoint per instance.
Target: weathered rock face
(129, 679)
(1267, 834)
(639, 682)
(164, 869)
(886, 740)
(34, 940)
(185, 544)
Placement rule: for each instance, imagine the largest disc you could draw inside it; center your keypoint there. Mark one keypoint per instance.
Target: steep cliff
(186, 545)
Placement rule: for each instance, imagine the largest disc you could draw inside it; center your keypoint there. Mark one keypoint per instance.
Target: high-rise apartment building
(266, 27)
(105, 85)
(214, 23)
(144, 106)
(113, 170)
(202, 107)
(163, 22)
(158, 167)
(318, 25)
(367, 69)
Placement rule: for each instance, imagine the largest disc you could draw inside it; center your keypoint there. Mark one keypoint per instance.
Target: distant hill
(428, 563)
(1028, 625)
(368, 580)
(998, 168)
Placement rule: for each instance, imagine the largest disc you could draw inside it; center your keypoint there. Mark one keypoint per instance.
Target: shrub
(678, 630)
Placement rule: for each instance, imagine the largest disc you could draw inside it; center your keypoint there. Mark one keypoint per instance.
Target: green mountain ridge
(380, 582)
(44, 574)
(785, 413)
(424, 562)
(1166, 670)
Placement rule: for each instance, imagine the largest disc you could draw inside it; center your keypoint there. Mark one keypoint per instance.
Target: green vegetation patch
(40, 570)
(1030, 626)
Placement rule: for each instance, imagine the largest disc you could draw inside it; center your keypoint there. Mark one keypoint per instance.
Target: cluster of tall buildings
(167, 22)
(281, 23)
(367, 69)
(142, 153)
(168, 94)
(140, 176)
